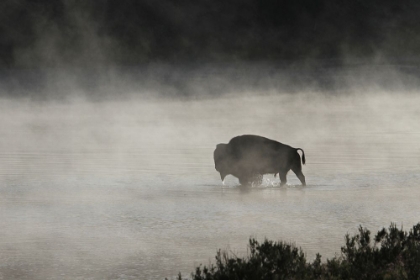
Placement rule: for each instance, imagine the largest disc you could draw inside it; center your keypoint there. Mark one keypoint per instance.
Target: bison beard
(249, 157)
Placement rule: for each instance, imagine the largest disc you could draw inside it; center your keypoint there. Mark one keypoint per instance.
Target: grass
(391, 254)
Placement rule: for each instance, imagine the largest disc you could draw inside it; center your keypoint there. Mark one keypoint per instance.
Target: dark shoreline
(210, 80)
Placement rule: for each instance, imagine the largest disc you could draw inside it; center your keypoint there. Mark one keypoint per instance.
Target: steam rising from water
(126, 186)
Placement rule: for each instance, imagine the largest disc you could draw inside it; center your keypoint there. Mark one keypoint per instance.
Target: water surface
(127, 189)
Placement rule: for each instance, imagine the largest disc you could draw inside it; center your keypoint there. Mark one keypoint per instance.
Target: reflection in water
(128, 189)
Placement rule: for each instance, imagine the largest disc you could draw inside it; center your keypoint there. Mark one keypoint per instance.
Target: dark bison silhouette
(249, 157)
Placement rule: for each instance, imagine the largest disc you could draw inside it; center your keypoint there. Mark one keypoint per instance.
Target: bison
(249, 157)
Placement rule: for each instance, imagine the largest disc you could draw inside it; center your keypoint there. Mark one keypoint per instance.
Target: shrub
(392, 254)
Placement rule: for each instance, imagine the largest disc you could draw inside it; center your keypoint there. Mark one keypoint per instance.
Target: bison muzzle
(249, 157)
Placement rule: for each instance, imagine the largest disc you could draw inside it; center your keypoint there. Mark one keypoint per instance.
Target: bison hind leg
(297, 169)
(283, 178)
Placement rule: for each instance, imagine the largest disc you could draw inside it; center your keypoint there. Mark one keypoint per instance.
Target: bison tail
(303, 155)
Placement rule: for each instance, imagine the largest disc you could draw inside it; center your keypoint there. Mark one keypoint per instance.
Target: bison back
(259, 154)
(258, 145)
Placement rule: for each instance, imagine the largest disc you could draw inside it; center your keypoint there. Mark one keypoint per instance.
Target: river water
(127, 189)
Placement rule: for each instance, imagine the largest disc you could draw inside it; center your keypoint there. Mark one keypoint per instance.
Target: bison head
(222, 160)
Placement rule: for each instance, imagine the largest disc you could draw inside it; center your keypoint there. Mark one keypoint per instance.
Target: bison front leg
(243, 180)
(257, 179)
(254, 179)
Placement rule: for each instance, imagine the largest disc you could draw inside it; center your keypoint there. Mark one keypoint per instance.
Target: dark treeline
(57, 32)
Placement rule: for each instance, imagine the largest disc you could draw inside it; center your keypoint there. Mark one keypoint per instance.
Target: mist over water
(124, 186)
